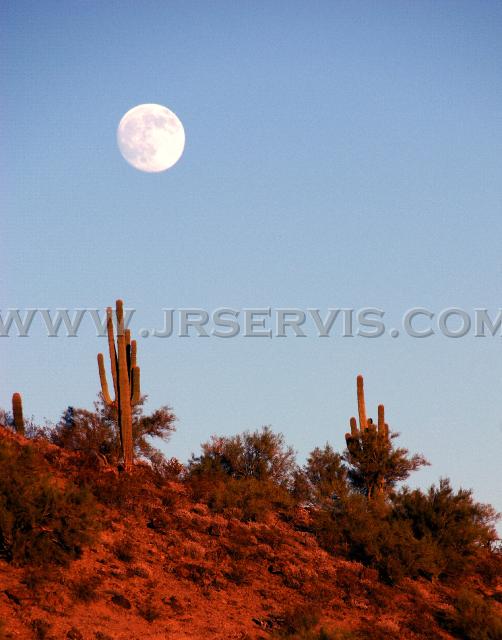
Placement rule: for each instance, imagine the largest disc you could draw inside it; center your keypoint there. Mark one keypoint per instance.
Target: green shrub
(248, 499)
(325, 477)
(451, 528)
(244, 476)
(261, 455)
(41, 520)
(436, 534)
(374, 465)
(90, 432)
(95, 432)
(364, 530)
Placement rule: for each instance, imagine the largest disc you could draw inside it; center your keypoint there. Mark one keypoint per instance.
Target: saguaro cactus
(366, 425)
(126, 380)
(367, 443)
(17, 413)
(375, 466)
(361, 403)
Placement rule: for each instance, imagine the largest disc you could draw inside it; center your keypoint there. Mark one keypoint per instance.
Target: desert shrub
(372, 630)
(420, 619)
(364, 530)
(325, 477)
(456, 531)
(123, 550)
(322, 634)
(244, 476)
(135, 491)
(298, 620)
(238, 574)
(137, 572)
(473, 617)
(38, 576)
(488, 565)
(262, 455)
(148, 609)
(96, 432)
(159, 425)
(87, 431)
(40, 629)
(85, 588)
(31, 429)
(248, 499)
(167, 469)
(373, 463)
(41, 520)
(438, 534)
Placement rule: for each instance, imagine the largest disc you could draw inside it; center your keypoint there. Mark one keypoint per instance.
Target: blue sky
(339, 154)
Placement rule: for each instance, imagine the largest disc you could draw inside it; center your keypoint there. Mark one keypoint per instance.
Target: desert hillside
(91, 552)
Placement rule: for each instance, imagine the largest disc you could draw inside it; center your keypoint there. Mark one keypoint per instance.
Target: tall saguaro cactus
(366, 425)
(369, 444)
(126, 379)
(17, 413)
(375, 466)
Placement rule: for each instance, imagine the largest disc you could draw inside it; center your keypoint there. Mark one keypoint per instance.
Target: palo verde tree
(374, 464)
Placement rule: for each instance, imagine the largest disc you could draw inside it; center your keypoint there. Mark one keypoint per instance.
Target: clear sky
(339, 154)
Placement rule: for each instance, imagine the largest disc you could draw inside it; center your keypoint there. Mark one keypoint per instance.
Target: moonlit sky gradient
(338, 154)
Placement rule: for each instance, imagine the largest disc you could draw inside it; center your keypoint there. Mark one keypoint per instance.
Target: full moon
(151, 138)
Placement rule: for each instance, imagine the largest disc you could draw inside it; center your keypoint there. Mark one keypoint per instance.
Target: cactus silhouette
(126, 380)
(17, 413)
(367, 424)
(369, 445)
(374, 464)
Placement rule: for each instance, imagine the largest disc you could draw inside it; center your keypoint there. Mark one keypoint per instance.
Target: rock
(174, 603)
(121, 601)
(12, 596)
(275, 570)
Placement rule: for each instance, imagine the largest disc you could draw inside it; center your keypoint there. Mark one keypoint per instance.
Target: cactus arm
(128, 353)
(125, 414)
(134, 350)
(17, 412)
(135, 386)
(104, 384)
(361, 405)
(112, 350)
(119, 311)
(381, 420)
(353, 427)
